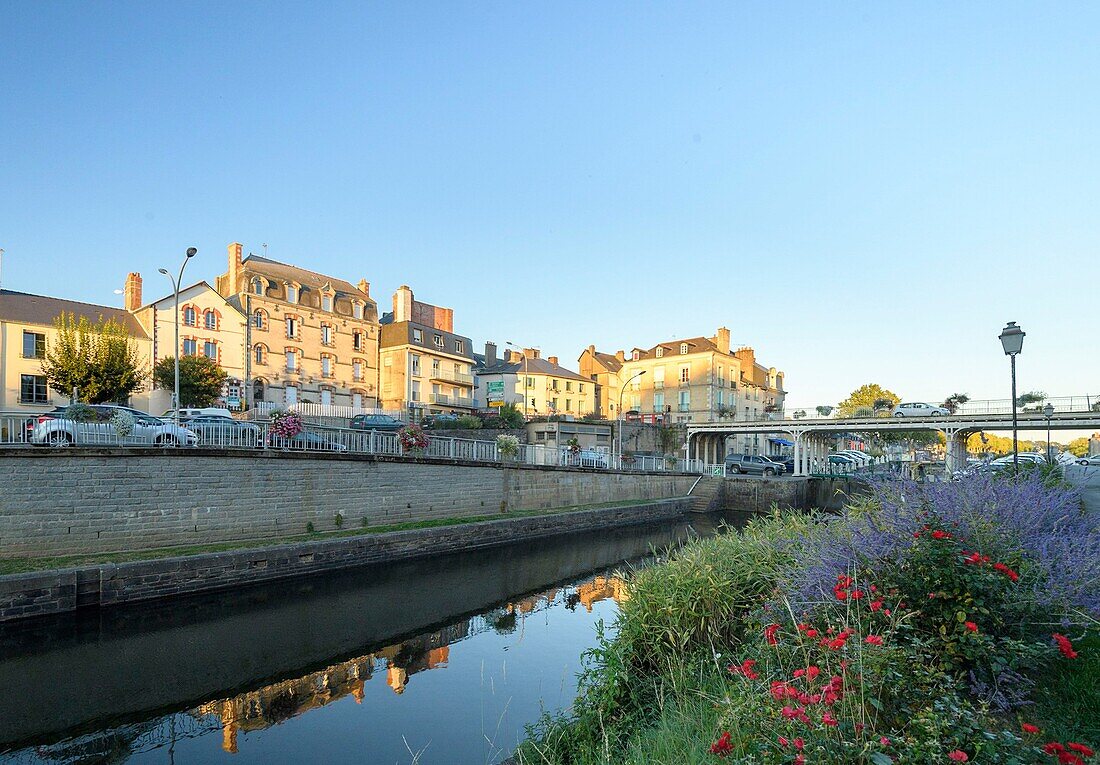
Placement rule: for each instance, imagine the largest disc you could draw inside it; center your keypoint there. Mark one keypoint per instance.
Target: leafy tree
(512, 416)
(1031, 397)
(201, 379)
(1078, 447)
(99, 360)
(669, 438)
(868, 395)
(824, 411)
(954, 401)
(987, 443)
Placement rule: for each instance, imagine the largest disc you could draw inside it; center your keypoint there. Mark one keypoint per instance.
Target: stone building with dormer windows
(310, 338)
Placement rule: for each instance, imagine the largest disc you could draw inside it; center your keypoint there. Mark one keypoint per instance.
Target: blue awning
(781, 441)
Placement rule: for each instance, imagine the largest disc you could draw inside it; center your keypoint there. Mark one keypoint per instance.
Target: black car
(376, 422)
(786, 462)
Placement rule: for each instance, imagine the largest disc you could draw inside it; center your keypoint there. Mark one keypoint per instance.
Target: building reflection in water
(278, 702)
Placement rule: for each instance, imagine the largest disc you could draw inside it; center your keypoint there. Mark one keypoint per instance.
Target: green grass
(1069, 696)
(24, 565)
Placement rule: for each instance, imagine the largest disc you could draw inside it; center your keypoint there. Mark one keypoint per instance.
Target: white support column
(798, 454)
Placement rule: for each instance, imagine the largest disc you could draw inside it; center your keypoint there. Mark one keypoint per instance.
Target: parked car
(843, 460)
(1001, 463)
(62, 430)
(444, 419)
(1093, 461)
(213, 411)
(587, 458)
(752, 464)
(786, 462)
(863, 458)
(376, 422)
(223, 431)
(919, 409)
(306, 442)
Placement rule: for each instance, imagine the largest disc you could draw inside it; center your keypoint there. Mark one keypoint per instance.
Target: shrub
(507, 445)
(469, 422)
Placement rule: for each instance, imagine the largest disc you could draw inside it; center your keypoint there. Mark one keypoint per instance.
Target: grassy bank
(916, 628)
(46, 563)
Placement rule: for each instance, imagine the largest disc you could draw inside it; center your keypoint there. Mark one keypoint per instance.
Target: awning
(781, 441)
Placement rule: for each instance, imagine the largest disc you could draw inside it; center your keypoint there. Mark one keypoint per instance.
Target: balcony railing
(455, 378)
(443, 400)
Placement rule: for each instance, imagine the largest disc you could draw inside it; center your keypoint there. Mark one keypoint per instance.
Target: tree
(100, 361)
(871, 395)
(1031, 397)
(201, 379)
(1078, 447)
(512, 416)
(823, 411)
(669, 438)
(954, 401)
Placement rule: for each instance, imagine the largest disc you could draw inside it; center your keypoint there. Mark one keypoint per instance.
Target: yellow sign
(496, 403)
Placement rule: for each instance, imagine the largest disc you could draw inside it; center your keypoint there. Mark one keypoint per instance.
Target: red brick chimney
(552, 359)
(364, 287)
(132, 292)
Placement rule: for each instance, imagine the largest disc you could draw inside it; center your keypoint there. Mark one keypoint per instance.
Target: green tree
(954, 401)
(100, 361)
(867, 396)
(1078, 447)
(201, 379)
(512, 416)
(669, 438)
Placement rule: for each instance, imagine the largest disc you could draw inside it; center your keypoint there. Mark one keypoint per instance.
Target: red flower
(799, 760)
(971, 626)
(1006, 571)
(931, 595)
(722, 746)
(873, 639)
(1065, 646)
(843, 581)
(779, 690)
(876, 605)
(840, 594)
(770, 632)
(811, 633)
(957, 756)
(1067, 758)
(1080, 748)
(1029, 728)
(799, 743)
(884, 741)
(937, 534)
(784, 742)
(1053, 748)
(812, 672)
(828, 719)
(746, 669)
(857, 594)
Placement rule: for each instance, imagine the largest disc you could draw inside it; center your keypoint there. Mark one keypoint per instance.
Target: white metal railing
(50, 430)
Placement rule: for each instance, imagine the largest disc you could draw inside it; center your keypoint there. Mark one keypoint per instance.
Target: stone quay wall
(88, 501)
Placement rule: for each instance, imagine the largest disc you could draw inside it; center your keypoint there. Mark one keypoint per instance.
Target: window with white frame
(260, 354)
(357, 370)
(685, 400)
(357, 313)
(635, 355)
(327, 333)
(418, 336)
(291, 394)
(210, 319)
(660, 352)
(34, 345)
(292, 327)
(190, 346)
(460, 346)
(414, 362)
(721, 375)
(438, 340)
(683, 348)
(190, 316)
(658, 378)
(357, 399)
(357, 341)
(210, 350)
(326, 396)
(414, 390)
(33, 389)
(326, 366)
(259, 319)
(326, 303)
(291, 360)
(685, 373)
(291, 293)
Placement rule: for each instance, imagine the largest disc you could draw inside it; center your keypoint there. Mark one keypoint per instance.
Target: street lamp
(176, 290)
(1048, 412)
(621, 392)
(1012, 340)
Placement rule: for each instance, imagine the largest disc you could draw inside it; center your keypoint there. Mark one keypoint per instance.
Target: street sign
(496, 403)
(494, 386)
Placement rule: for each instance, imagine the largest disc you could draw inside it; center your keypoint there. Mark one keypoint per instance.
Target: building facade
(697, 379)
(27, 331)
(425, 368)
(537, 386)
(209, 325)
(310, 338)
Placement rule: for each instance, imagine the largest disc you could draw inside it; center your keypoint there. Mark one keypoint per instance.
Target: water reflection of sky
(461, 694)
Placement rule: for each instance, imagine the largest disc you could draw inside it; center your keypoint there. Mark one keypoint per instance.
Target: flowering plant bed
(929, 623)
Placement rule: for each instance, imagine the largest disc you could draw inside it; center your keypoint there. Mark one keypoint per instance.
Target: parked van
(209, 411)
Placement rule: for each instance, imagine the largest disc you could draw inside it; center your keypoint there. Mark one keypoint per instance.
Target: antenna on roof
(264, 245)
(1, 266)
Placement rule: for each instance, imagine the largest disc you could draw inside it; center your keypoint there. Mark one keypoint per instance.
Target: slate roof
(305, 277)
(39, 309)
(539, 366)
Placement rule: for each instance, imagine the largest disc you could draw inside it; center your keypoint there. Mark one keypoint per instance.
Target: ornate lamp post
(176, 289)
(620, 412)
(1048, 412)
(1012, 340)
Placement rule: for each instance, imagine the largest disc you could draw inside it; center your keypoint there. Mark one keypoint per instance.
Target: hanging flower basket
(507, 446)
(413, 439)
(285, 424)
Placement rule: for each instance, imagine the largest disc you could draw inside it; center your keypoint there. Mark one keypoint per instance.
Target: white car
(98, 429)
(862, 457)
(1093, 461)
(919, 409)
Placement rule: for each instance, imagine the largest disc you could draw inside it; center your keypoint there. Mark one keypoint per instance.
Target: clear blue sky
(862, 191)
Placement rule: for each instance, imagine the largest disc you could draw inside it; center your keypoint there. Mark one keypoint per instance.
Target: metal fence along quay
(50, 431)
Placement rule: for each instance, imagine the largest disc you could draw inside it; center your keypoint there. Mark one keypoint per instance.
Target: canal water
(442, 660)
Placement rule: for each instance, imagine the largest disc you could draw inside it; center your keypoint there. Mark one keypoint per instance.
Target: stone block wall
(60, 502)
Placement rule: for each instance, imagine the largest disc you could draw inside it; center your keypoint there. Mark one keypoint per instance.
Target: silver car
(98, 425)
(919, 409)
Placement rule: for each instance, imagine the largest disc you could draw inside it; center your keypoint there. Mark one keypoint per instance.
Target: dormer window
(257, 287)
(683, 348)
(357, 310)
(438, 341)
(418, 336)
(291, 293)
(660, 353)
(326, 303)
(635, 355)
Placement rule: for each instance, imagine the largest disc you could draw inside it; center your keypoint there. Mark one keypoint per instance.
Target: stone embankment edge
(50, 592)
